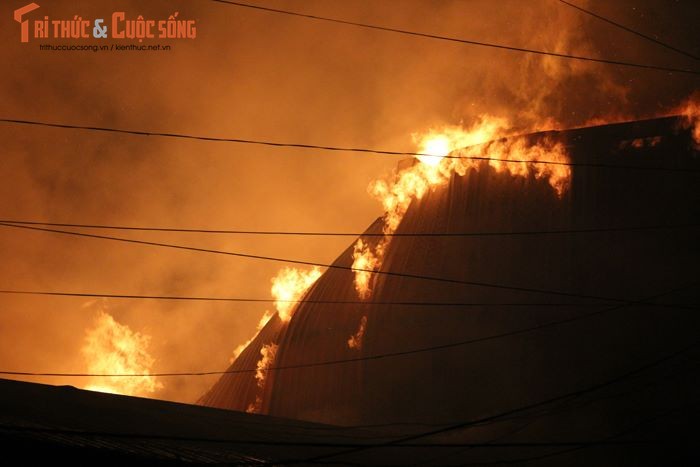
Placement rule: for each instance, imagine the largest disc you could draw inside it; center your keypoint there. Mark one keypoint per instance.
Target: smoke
(263, 76)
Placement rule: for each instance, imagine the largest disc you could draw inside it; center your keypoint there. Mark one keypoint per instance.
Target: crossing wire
(455, 39)
(340, 149)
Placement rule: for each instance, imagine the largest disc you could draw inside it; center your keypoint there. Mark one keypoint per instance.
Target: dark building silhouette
(616, 183)
(602, 372)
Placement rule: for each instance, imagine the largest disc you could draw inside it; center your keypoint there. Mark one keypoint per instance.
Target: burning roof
(354, 363)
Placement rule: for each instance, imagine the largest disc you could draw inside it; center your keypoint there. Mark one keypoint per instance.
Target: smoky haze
(257, 75)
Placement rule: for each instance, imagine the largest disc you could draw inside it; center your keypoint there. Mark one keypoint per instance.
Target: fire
(437, 146)
(113, 348)
(355, 341)
(268, 353)
(691, 111)
(261, 324)
(288, 286)
(441, 142)
(364, 261)
(434, 170)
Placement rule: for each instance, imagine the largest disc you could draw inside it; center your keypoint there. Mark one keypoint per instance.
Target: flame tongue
(365, 260)
(113, 348)
(691, 111)
(289, 285)
(268, 354)
(508, 156)
(355, 341)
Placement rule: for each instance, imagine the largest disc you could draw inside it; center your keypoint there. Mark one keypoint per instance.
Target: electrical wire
(324, 265)
(323, 302)
(339, 149)
(369, 357)
(258, 442)
(630, 30)
(565, 231)
(545, 402)
(457, 40)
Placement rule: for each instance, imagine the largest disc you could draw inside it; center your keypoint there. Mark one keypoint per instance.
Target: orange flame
(364, 261)
(691, 111)
(113, 348)
(514, 156)
(261, 324)
(289, 285)
(355, 341)
(268, 353)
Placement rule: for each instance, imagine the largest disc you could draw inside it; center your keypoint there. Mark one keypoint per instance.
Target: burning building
(547, 309)
(579, 270)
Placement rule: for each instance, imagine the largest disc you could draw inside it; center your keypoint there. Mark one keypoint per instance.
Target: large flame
(288, 286)
(113, 348)
(440, 142)
(510, 156)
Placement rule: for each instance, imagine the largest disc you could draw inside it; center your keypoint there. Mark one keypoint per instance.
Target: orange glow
(261, 324)
(268, 353)
(440, 142)
(289, 285)
(355, 341)
(691, 111)
(438, 146)
(364, 260)
(482, 141)
(113, 348)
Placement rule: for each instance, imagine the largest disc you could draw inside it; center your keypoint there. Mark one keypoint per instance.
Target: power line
(457, 40)
(324, 265)
(323, 302)
(337, 148)
(545, 402)
(367, 357)
(630, 30)
(259, 442)
(604, 440)
(355, 234)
